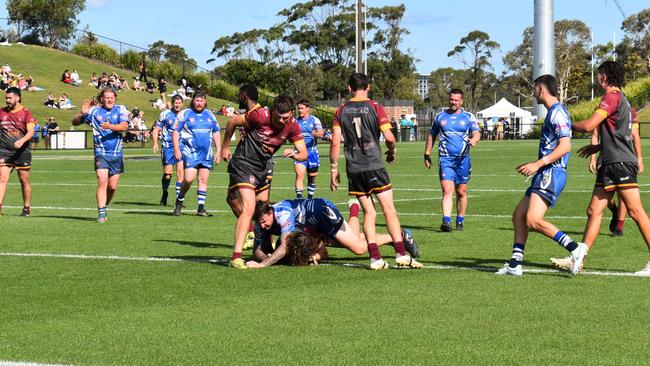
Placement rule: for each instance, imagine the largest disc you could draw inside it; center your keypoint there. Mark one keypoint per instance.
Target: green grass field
(114, 307)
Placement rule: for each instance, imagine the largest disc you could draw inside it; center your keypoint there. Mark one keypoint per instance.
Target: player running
(195, 131)
(618, 172)
(16, 131)
(108, 121)
(548, 181)
(458, 132)
(321, 223)
(311, 129)
(360, 121)
(264, 133)
(164, 129)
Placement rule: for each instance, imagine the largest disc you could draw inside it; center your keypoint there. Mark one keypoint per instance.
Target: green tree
(441, 81)
(634, 50)
(474, 51)
(53, 22)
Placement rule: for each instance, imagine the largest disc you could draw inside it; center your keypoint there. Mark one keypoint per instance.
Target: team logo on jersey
(191, 119)
(251, 179)
(443, 122)
(100, 118)
(462, 123)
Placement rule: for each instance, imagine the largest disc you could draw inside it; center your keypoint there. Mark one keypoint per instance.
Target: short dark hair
(14, 90)
(614, 72)
(457, 91)
(250, 90)
(176, 96)
(304, 102)
(283, 104)
(550, 83)
(261, 208)
(358, 81)
(199, 94)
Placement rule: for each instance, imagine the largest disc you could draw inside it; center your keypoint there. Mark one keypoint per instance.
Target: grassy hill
(46, 65)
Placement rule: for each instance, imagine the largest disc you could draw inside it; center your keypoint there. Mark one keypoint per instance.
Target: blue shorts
(167, 156)
(548, 184)
(312, 163)
(190, 162)
(456, 169)
(114, 164)
(328, 220)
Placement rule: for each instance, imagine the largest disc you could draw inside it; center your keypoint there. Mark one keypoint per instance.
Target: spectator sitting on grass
(66, 78)
(159, 104)
(150, 87)
(65, 102)
(94, 81)
(50, 101)
(75, 78)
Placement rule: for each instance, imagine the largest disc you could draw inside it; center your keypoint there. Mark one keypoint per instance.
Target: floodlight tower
(360, 47)
(544, 54)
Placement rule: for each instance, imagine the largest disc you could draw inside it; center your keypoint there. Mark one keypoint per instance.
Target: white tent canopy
(520, 120)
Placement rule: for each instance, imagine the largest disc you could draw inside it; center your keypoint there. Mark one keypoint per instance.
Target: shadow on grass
(207, 259)
(196, 244)
(434, 228)
(77, 218)
(491, 265)
(136, 203)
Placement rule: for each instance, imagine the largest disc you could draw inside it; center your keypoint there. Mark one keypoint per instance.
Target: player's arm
(79, 117)
(335, 150)
(28, 136)
(233, 122)
(476, 137)
(300, 153)
(595, 139)
(216, 138)
(592, 122)
(156, 133)
(272, 259)
(563, 147)
(176, 141)
(318, 133)
(391, 143)
(636, 140)
(428, 146)
(117, 127)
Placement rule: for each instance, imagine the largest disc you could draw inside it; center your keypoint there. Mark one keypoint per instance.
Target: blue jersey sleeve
(215, 123)
(285, 218)
(88, 118)
(318, 126)
(473, 124)
(561, 123)
(180, 121)
(435, 127)
(123, 115)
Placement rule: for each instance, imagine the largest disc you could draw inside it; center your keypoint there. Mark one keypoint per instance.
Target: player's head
(282, 109)
(303, 108)
(247, 92)
(107, 97)
(544, 87)
(13, 97)
(177, 103)
(199, 101)
(611, 73)
(263, 214)
(358, 82)
(456, 97)
(301, 246)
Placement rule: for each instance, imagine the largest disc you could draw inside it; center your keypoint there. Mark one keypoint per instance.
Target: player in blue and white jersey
(195, 131)
(312, 129)
(323, 224)
(164, 129)
(108, 121)
(549, 178)
(458, 131)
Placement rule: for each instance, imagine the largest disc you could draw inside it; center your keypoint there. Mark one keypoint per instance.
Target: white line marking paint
(12, 363)
(221, 261)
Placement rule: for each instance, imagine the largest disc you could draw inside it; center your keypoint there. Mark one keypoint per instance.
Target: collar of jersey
(359, 99)
(613, 88)
(20, 108)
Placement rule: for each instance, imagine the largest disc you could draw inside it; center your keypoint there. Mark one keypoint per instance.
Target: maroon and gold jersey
(616, 129)
(13, 126)
(361, 122)
(260, 139)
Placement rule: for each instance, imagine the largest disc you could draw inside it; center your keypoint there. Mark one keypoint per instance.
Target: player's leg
(447, 203)
(632, 200)
(5, 173)
(353, 220)
(26, 187)
(100, 194)
(242, 227)
(111, 187)
(234, 201)
(202, 191)
(595, 210)
(311, 182)
(513, 267)
(300, 170)
(618, 217)
(189, 174)
(369, 220)
(180, 176)
(461, 205)
(402, 259)
(537, 208)
(164, 182)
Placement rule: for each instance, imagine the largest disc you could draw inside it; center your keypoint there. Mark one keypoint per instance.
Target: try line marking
(223, 261)
(12, 363)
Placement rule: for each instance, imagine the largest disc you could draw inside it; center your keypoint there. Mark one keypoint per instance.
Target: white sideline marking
(425, 214)
(168, 259)
(11, 363)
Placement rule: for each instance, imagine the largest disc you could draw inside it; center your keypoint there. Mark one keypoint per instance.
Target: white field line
(12, 363)
(276, 187)
(400, 213)
(222, 261)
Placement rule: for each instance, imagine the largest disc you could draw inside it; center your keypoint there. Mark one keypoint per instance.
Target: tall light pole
(360, 39)
(544, 55)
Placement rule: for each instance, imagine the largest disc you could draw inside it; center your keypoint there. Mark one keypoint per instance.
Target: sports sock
(235, 255)
(354, 210)
(180, 197)
(399, 247)
(460, 219)
(517, 255)
(200, 197)
(298, 193)
(311, 189)
(102, 210)
(446, 219)
(166, 178)
(178, 188)
(373, 251)
(565, 241)
(619, 225)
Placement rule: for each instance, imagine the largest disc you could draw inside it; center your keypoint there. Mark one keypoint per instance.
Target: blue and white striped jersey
(107, 142)
(454, 131)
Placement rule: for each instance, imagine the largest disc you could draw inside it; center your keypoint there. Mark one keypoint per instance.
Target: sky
(435, 26)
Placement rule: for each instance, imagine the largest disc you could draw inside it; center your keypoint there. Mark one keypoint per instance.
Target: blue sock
(517, 255)
(201, 196)
(446, 219)
(178, 188)
(460, 219)
(311, 189)
(565, 241)
(298, 193)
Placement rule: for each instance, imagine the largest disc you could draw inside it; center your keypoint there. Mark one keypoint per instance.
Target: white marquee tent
(520, 120)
